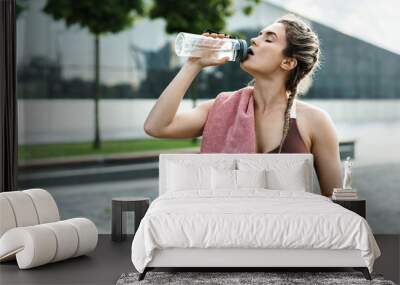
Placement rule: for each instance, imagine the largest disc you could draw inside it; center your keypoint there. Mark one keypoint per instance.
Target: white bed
(248, 210)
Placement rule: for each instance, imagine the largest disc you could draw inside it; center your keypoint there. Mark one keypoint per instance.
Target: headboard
(211, 158)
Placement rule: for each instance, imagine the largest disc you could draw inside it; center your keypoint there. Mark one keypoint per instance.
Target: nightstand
(120, 206)
(358, 206)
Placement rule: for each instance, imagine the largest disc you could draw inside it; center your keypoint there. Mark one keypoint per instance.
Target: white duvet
(251, 218)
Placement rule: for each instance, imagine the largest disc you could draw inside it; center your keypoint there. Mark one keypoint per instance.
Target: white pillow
(223, 179)
(229, 179)
(183, 177)
(295, 178)
(251, 178)
(282, 174)
(184, 174)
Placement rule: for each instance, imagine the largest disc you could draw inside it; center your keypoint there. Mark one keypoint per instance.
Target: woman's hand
(209, 59)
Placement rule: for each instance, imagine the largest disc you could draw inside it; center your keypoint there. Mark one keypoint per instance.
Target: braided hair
(303, 45)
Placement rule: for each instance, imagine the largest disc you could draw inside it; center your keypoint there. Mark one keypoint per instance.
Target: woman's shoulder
(230, 93)
(310, 110)
(317, 119)
(246, 89)
(221, 97)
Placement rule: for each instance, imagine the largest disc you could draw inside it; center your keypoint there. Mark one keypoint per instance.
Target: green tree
(249, 6)
(99, 17)
(195, 17)
(20, 7)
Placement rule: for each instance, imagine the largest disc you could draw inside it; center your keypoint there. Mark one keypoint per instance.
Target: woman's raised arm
(162, 121)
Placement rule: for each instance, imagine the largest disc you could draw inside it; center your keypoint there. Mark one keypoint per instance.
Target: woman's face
(267, 50)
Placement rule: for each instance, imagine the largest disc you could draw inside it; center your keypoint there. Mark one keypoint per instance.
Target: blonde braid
(286, 126)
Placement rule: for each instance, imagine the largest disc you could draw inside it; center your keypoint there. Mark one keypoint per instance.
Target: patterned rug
(275, 278)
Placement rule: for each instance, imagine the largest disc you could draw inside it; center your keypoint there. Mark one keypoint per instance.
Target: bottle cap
(243, 51)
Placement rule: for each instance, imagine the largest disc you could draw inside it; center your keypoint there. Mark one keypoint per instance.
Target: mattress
(250, 218)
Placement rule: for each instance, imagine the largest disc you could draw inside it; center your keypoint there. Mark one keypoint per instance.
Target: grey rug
(275, 278)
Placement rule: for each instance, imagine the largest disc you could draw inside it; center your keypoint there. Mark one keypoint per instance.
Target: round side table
(121, 205)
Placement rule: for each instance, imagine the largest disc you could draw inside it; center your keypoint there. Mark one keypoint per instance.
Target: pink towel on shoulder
(230, 126)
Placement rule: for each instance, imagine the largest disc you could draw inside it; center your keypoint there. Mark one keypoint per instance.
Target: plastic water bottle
(193, 45)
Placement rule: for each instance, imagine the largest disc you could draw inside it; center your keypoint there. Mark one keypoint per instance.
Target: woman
(282, 55)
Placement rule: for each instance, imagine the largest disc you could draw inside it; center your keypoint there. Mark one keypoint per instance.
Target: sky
(374, 21)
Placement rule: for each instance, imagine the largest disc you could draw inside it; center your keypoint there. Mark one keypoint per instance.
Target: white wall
(71, 120)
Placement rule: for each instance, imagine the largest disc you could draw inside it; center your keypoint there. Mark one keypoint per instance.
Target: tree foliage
(20, 7)
(250, 4)
(98, 16)
(192, 16)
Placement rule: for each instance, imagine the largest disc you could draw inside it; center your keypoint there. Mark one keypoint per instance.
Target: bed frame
(240, 259)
